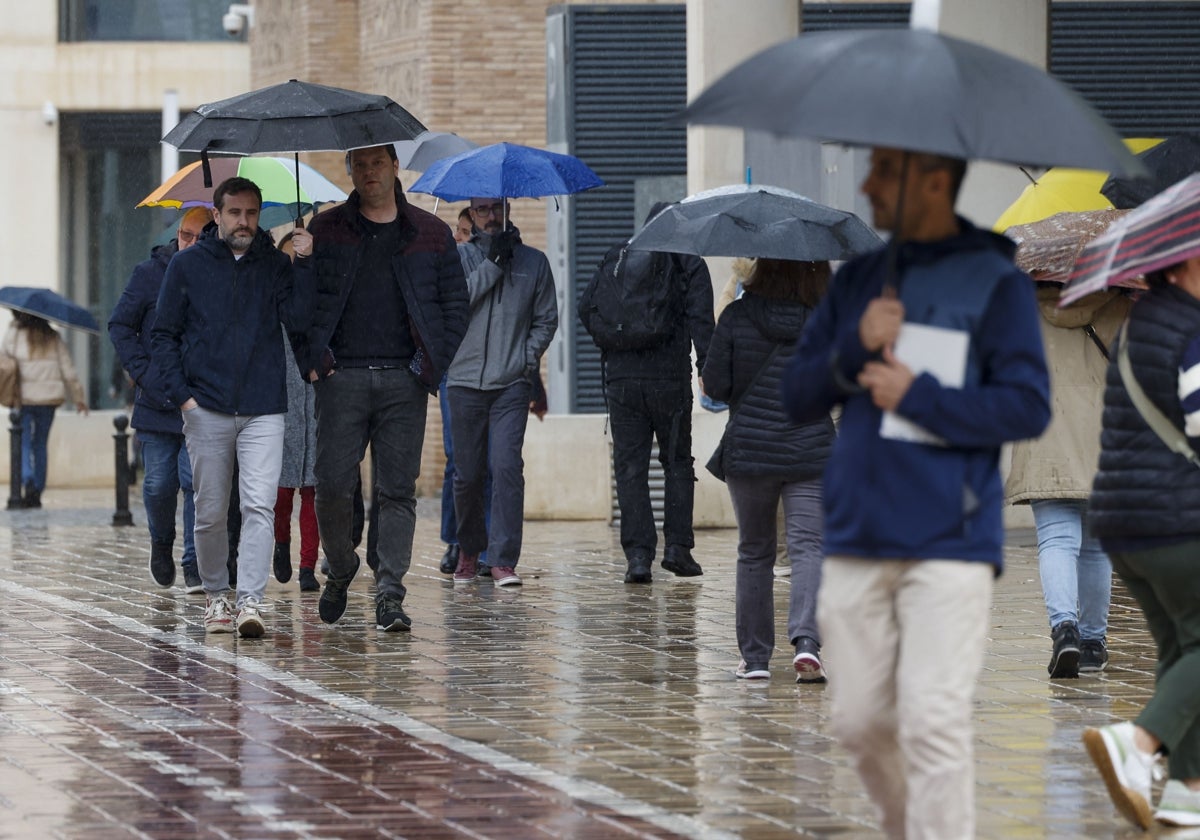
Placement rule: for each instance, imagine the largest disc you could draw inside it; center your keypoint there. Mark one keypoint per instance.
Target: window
(142, 20)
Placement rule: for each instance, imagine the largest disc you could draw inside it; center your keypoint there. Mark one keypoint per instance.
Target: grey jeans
(385, 408)
(755, 501)
(216, 444)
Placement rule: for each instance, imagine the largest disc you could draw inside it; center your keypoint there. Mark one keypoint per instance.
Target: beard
(239, 240)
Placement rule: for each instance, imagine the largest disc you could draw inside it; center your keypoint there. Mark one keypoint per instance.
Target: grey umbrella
(916, 90)
(754, 220)
(427, 148)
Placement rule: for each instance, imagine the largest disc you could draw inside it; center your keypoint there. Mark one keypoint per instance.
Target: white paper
(938, 351)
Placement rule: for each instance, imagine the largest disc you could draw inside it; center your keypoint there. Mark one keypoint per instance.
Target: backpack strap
(1159, 423)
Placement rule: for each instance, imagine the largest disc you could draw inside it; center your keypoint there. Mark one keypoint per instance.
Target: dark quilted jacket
(1144, 494)
(761, 440)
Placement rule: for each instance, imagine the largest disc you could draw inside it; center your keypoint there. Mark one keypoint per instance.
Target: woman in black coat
(766, 457)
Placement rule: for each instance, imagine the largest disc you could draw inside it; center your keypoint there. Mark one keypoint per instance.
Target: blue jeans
(386, 409)
(168, 470)
(489, 432)
(35, 433)
(449, 520)
(1076, 573)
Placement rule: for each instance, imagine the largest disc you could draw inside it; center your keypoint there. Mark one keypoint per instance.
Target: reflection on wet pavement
(576, 707)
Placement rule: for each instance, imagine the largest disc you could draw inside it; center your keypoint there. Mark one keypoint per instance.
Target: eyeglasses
(186, 236)
(489, 209)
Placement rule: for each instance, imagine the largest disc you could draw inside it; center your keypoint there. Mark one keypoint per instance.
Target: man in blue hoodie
(216, 344)
(912, 491)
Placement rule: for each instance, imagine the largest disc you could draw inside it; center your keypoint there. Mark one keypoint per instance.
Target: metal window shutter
(627, 74)
(820, 17)
(1137, 63)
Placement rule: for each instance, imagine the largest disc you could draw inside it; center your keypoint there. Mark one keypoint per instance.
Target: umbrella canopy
(294, 117)
(916, 90)
(419, 154)
(1167, 163)
(753, 220)
(1162, 232)
(49, 305)
(275, 176)
(1047, 249)
(506, 170)
(1063, 190)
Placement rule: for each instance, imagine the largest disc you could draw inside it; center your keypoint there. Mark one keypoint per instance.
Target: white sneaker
(218, 616)
(745, 672)
(783, 569)
(1179, 805)
(249, 621)
(1126, 770)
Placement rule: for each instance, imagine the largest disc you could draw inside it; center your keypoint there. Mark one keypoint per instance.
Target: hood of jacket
(162, 254)
(1080, 314)
(777, 320)
(968, 238)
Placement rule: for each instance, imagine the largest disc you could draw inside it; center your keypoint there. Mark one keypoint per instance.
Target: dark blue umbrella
(49, 305)
(506, 170)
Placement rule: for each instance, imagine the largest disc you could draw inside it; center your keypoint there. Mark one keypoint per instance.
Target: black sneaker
(638, 570)
(677, 559)
(332, 605)
(308, 580)
(390, 616)
(1093, 656)
(191, 579)
(162, 567)
(282, 562)
(449, 559)
(1064, 661)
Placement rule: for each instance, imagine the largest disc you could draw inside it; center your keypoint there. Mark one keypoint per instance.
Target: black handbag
(716, 463)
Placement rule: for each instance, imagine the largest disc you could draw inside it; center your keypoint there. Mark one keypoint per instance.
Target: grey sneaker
(191, 579)
(807, 661)
(390, 616)
(1093, 656)
(218, 614)
(249, 620)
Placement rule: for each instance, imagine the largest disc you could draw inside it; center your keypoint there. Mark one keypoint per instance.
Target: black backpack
(633, 301)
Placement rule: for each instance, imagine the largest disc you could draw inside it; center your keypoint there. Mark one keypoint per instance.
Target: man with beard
(216, 342)
(514, 314)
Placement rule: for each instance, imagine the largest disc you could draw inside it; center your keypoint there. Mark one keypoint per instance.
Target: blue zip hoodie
(897, 499)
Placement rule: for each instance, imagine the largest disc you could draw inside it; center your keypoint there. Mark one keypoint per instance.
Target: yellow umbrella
(1063, 190)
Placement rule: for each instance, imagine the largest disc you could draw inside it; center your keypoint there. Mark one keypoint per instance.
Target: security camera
(237, 18)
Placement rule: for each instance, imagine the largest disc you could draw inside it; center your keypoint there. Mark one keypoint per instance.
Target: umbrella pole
(299, 218)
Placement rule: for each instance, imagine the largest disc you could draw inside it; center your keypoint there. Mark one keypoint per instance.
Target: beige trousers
(903, 642)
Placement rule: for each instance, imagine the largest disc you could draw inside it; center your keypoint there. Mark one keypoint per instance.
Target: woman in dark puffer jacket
(767, 457)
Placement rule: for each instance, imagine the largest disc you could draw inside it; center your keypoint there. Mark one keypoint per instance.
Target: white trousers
(903, 641)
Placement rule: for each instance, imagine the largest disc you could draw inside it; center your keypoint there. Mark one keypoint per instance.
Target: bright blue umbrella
(506, 170)
(49, 305)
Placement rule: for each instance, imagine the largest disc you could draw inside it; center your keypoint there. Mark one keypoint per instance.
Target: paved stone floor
(576, 707)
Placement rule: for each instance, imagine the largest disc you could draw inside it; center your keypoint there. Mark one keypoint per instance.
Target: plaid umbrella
(1047, 250)
(1162, 232)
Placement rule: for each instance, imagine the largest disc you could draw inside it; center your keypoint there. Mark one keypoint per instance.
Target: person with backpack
(646, 310)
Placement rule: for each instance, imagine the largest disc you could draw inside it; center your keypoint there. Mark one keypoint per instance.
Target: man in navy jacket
(912, 492)
(216, 342)
(155, 417)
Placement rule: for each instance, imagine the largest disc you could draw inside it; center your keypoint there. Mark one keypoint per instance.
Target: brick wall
(474, 67)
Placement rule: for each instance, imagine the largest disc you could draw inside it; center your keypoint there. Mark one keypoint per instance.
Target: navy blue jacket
(426, 269)
(760, 439)
(1144, 495)
(129, 330)
(900, 499)
(216, 334)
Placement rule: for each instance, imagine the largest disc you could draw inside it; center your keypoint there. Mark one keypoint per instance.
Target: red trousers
(309, 536)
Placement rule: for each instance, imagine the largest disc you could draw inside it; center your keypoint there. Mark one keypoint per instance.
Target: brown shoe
(464, 572)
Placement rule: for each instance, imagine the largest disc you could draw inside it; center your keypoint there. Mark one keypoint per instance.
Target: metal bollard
(14, 460)
(122, 516)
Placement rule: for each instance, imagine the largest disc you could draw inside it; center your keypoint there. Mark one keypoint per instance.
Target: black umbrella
(1168, 163)
(293, 117)
(916, 90)
(755, 220)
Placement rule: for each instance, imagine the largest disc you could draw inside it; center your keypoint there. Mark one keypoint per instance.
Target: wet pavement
(574, 707)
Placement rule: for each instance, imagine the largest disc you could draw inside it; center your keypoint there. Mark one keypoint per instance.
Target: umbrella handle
(299, 218)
